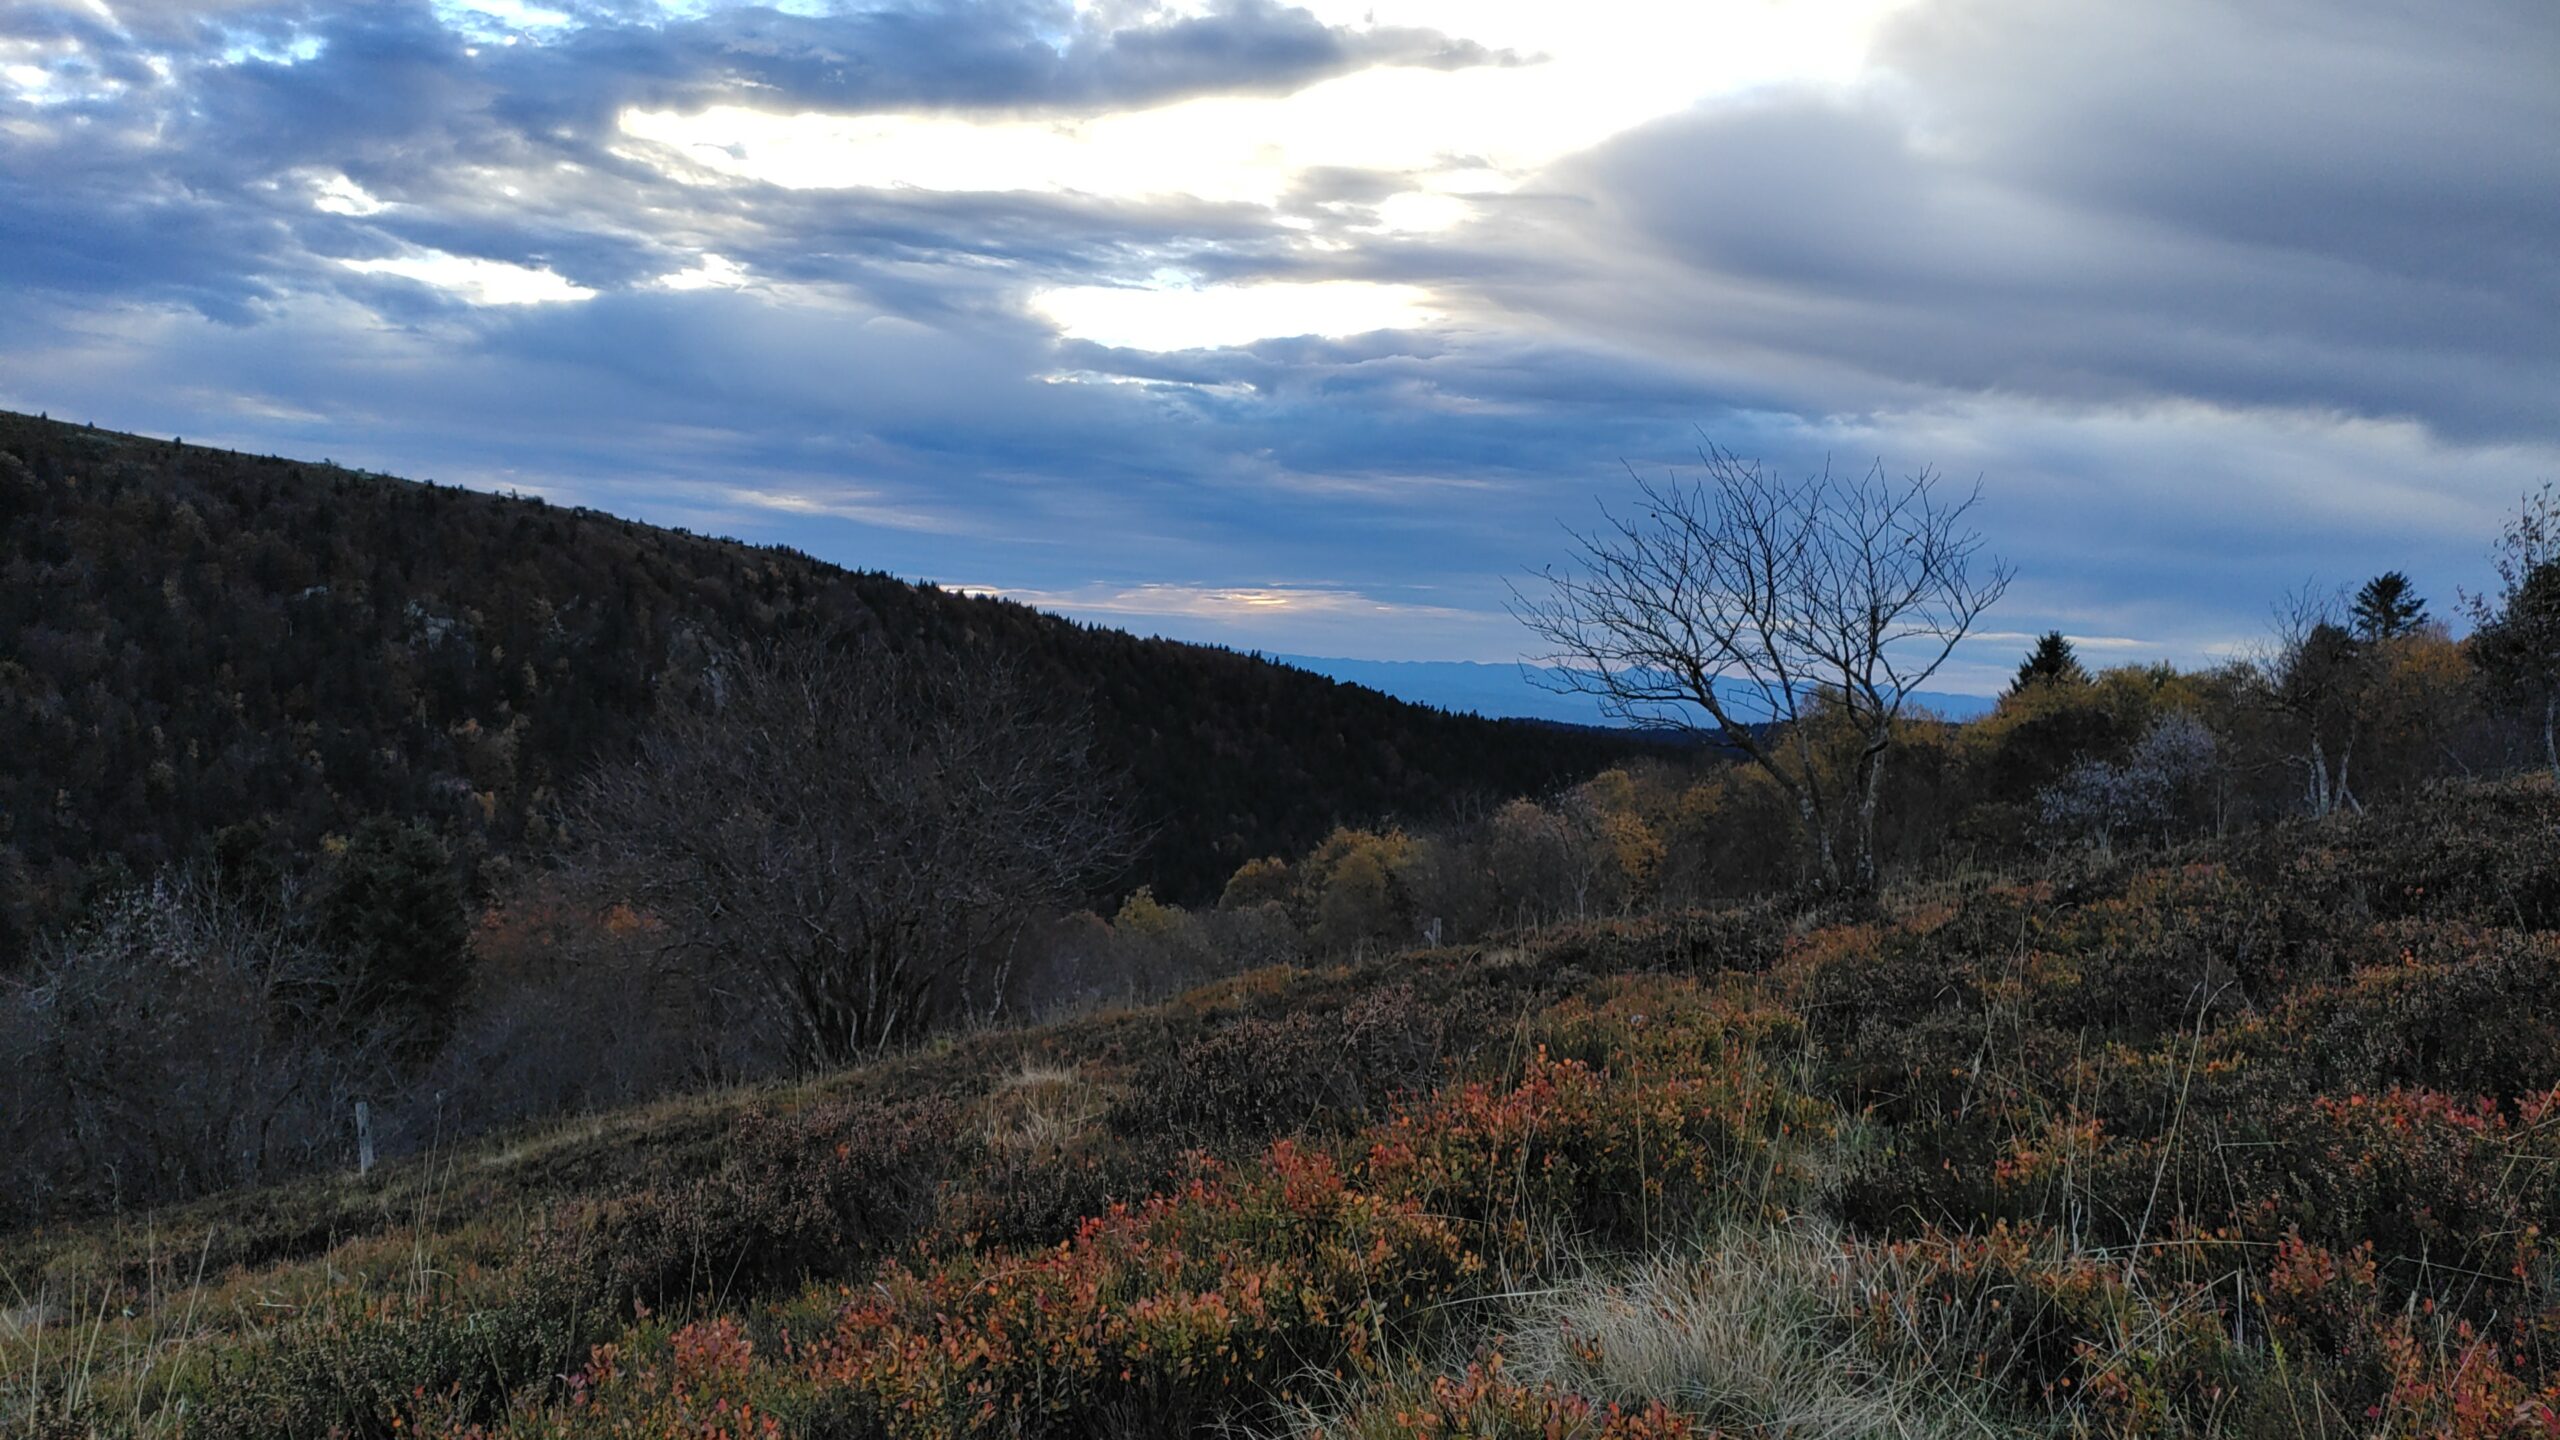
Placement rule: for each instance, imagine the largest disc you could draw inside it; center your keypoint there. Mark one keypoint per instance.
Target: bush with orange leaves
(2025, 1317)
(1153, 1318)
(1595, 1156)
(2407, 1370)
(1485, 1404)
(702, 1381)
(2451, 1196)
(1660, 1024)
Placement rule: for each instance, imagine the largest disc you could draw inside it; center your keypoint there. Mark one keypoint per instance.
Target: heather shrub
(2488, 854)
(1049, 1161)
(1256, 1077)
(2444, 1006)
(1858, 978)
(369, 1370)
(1483, 1403)
(813, 1191)
(1152, 1318)
(1660, 1021)
(1744, 938)
(1599, 1157)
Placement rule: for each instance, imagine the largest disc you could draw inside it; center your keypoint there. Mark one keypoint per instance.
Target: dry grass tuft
(1744, 1331)
(1043, 1107)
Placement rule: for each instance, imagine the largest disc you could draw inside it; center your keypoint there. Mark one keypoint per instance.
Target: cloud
(2274, 206)
(476, 281)
(1153, 309)
(1220, 317)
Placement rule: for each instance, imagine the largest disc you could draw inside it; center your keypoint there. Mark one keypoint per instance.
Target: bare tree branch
(1739, 602)
(856, 839)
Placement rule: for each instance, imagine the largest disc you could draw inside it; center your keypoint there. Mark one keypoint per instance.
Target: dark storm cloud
(2281, 205)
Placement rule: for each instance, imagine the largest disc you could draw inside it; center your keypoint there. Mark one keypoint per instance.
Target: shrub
(2046, 1330)
(2484, 853)
(1662, 1023)
(372, 1370)
(2453, 1194)
(2445, 1007)
(814, 1191)
(2155, 790)
(1484, 1404)
(1255, 1078)
(1608, 1157)
(1152, 1318)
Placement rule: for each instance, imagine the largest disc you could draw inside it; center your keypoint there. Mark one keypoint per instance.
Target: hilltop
(2247, 1138)
(192, 639)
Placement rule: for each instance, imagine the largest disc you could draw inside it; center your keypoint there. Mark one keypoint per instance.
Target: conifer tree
(2052, 662)
(393, 916)
(2387, 608)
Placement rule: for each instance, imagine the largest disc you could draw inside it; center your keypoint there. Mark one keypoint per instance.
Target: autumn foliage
(2194, 1145)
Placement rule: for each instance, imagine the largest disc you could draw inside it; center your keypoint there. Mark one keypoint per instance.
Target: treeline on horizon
(2352, 700)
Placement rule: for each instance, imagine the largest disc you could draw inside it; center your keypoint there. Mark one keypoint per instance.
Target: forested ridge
(192, 639)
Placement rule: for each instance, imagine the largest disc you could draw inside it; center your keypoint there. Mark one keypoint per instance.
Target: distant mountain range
(1515, 691)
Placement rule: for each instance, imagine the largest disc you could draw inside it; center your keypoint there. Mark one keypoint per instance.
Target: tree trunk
(1818, 834)
(1871, 793)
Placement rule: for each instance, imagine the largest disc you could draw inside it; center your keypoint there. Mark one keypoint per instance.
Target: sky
(1311, 329)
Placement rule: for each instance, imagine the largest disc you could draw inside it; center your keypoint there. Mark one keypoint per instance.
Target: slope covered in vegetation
(192, 639)
(2253, 1138)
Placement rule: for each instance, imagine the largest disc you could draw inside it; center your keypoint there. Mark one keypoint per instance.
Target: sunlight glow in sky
(1584, 72)
(1217, 316)
(477, 281)
(1579, 74)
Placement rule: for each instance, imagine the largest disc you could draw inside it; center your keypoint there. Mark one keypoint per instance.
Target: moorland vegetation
(2166, 1053)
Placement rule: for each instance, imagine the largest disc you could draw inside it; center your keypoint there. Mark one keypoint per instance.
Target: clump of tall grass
(1744, 1329)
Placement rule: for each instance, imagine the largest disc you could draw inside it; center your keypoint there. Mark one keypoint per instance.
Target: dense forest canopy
(193, 639)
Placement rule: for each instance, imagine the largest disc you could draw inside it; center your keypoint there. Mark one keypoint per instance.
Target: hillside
(2235, 1141)
(192, 639)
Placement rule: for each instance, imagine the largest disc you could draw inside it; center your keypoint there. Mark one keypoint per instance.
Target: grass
(2256, 1143)
(1745, 1329)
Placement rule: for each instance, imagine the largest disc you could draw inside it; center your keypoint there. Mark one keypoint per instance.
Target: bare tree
(2317, 675)
(848, 842)
(1757, 605)
(184, 1040)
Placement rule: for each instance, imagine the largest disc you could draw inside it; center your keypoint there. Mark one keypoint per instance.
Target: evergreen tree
(394, 917)
(2387, 608)
(2052, 662)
